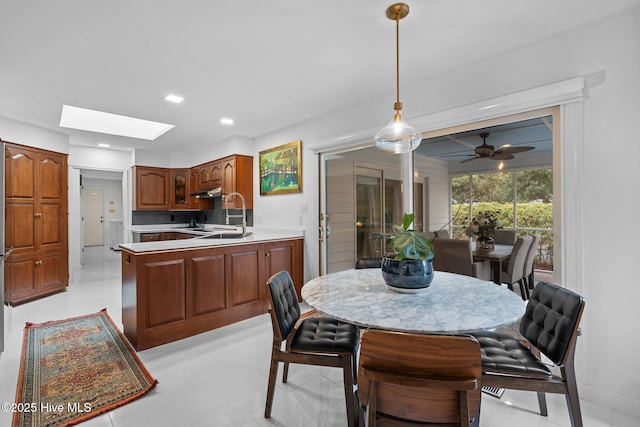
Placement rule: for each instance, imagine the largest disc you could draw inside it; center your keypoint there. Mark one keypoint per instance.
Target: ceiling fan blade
(469, 160)
(513, 150)
(501, 156)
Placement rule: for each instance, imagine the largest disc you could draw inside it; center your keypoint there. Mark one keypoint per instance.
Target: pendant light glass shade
(398, 137)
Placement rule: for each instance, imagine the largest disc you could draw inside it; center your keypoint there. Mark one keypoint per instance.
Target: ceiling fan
(486, 151)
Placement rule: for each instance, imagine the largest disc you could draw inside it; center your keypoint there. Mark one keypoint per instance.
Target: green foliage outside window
(494, 193)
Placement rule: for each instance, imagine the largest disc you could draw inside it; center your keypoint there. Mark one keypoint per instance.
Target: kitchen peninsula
(173, 289)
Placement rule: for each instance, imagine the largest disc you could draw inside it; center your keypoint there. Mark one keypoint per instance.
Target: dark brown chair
(313, 341)
(550, 326)
(417, 379)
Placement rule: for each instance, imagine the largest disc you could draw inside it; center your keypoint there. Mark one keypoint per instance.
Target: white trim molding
(553, 94)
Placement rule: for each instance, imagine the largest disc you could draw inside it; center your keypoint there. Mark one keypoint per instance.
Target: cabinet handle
(38, 262)
(267, 254)
(38, 214)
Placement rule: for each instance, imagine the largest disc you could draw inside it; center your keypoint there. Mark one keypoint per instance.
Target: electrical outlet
(304, 209)
(300, 220)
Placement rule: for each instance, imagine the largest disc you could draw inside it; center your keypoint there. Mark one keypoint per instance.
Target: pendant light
(397, 137)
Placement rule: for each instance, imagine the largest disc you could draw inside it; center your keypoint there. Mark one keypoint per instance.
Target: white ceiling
(266, 64)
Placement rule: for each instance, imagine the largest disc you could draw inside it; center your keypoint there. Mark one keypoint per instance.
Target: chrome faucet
(244, 212)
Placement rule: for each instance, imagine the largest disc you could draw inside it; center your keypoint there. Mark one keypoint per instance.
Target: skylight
(113, 124)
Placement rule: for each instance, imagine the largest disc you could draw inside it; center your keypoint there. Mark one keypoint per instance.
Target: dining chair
(550, 326)
(322, 341)
(528, 264)
(504, 237)
(455, 256)
(373, 262)
(418, 379)
(513, 271)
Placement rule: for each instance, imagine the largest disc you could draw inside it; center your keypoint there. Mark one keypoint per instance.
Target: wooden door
(229, 182)
(215, 174)
(151, 188)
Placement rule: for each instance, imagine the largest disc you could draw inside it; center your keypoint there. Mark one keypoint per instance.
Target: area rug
(75, 369)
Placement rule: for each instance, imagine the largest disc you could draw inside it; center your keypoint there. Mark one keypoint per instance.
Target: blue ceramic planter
(409, 275)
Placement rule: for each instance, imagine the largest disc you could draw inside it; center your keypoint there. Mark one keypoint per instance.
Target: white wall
(26, 134)
(610, 151)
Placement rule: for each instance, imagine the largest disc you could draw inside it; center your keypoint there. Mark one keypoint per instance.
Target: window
(521, 199)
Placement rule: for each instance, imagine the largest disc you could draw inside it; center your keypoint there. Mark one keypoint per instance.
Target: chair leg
(285, 370)
(349, 394)
(271, 387)
(542, 403)
(573, 401)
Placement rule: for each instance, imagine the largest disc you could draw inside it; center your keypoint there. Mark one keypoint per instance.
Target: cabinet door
(285, 255)
(20, 169)
(151, 188)
(203, 177)
(229, 183)
(215, 174)
(179, 189)
(51, 219)
(244, 268)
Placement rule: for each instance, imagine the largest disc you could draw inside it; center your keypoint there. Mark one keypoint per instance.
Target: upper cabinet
(237, 177)
(209, 175)
(170, 189)
(151, 188)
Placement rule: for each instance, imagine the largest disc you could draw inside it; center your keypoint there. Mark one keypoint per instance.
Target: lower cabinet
(167, 296)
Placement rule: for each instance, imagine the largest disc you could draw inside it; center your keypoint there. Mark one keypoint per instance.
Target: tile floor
(219, 378)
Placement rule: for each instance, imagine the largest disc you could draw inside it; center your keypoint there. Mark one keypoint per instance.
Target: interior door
(93, 214)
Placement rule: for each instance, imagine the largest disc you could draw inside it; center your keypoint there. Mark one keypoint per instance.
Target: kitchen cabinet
(286, 255)
(182, 181)
(151, 237)
(151, 188)
(173, 294)
(179, 189)
(237, 176)
(209, 175)
(36, 224)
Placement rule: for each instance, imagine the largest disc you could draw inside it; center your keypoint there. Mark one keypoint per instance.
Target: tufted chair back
(552, 315)
(284, 302)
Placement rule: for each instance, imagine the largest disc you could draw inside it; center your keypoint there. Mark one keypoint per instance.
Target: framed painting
(281, 169)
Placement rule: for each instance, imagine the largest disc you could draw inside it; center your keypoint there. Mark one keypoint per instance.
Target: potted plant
(411, 268)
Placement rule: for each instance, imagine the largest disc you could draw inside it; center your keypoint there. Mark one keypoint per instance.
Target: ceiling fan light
(398, 137)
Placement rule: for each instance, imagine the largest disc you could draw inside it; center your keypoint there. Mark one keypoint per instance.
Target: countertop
(256, 235)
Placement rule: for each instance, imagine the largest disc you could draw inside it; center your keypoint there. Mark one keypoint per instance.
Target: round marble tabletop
(452, 304)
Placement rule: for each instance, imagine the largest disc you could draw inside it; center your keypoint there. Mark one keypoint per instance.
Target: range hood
(208, 194)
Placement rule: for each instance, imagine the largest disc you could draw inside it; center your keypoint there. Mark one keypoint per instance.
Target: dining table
(496, 255)
(452, 304)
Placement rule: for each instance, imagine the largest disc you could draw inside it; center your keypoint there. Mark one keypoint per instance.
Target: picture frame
(281, 169)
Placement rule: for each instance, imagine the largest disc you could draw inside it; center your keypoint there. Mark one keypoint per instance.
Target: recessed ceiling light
(226, 121)
(113, 124)
(174, 98)
(103, 145)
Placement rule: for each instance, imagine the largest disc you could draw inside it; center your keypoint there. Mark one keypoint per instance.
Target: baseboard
(610, 400)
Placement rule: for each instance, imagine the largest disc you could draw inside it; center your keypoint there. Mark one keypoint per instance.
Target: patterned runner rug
(75, 369)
